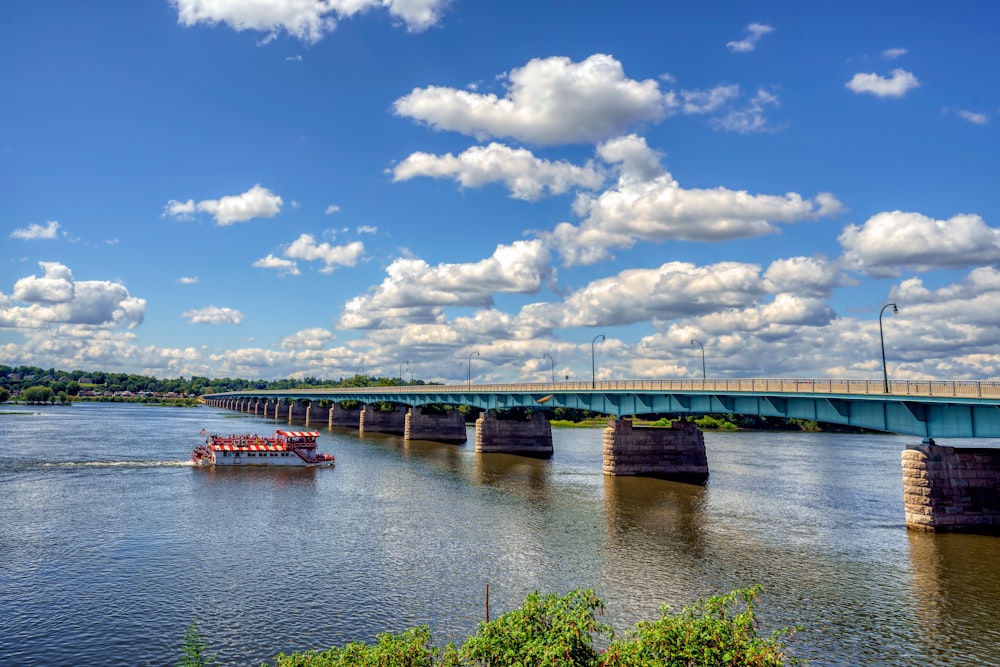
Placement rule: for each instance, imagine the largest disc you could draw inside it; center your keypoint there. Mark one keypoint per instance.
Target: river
(111, 543)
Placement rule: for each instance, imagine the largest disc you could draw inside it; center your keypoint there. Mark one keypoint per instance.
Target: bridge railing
(915, 388)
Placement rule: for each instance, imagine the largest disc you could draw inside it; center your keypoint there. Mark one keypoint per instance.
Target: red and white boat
(284, 448)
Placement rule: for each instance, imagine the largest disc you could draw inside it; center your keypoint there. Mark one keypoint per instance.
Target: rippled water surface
(111, 544)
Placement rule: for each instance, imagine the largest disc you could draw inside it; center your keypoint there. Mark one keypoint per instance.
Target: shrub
(711, 632)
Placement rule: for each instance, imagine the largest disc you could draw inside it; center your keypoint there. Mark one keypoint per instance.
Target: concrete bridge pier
(298, 411)
(341, 416)
(676, 453)
(383, 421)
(315, 414)
(532, 437)
(950, 489)
(448, 427)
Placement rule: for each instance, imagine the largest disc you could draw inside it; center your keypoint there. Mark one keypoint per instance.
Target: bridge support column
(298, 411)
(379, 421)
(509, 436)
(676, 453)
(949, 489)
(316, 414)
(341, 416)
(448, 426)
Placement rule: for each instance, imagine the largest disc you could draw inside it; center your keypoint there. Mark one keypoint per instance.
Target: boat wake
(116, 464)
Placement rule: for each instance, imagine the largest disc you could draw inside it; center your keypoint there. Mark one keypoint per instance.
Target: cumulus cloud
(754, 32)
(56, 298)
(414, 289)
(898, 84)
(548, 101)
(282, 266)
(890, 54)
(315, 338)
(307, 20)
(707, 101)
(654, 207)
(257, 202)
(213, 315)
(892, 241)
(332, 256)
(526, 176)
(331, 209)
(36, 231)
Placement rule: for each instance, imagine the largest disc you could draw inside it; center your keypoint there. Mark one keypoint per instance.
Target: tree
(4, 395)
(37, 394)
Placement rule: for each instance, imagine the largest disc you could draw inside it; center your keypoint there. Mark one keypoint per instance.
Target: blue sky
(322, 187)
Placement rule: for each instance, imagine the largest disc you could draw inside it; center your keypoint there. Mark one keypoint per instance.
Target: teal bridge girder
(929, 409)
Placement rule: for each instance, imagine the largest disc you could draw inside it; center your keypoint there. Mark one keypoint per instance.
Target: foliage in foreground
(552, 631)
(193, 650)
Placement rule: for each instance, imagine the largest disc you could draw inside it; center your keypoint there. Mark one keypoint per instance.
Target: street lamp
(401, 370)
(546, 354)
(885, 372)
(593, 363)
(474, 354)
(695, 341)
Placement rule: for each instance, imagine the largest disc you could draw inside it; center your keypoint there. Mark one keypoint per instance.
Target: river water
(111, 544)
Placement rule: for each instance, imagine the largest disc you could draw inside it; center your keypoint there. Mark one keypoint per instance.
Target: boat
(284, 448)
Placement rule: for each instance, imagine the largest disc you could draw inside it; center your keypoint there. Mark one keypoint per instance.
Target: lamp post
(695, 341)
(401, 370)
(593, 363)
(885, 372)
(474, 354)
(546, 354)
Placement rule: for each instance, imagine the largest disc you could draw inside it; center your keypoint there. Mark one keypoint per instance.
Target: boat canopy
(298, 434)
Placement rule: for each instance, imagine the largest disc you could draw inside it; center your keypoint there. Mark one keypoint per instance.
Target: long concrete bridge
(945, 488)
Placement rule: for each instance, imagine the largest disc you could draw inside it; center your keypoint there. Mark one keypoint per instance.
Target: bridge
(924, 408)
(945, 488)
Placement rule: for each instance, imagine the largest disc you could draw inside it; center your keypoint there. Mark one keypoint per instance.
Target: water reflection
(956, 581)
(521, 475)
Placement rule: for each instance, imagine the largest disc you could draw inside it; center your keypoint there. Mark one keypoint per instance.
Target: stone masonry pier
(676, 453)
(447, 426)
(383, 421)
(950, 489)
(532, 437)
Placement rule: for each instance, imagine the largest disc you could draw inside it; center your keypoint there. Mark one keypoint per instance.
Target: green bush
(717, 631)
(552, 631)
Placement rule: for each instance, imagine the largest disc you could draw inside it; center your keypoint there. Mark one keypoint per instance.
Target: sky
(456, 190)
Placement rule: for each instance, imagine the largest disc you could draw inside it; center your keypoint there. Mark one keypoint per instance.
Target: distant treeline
(15, 379)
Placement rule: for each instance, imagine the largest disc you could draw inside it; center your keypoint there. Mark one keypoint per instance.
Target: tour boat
(284, 448)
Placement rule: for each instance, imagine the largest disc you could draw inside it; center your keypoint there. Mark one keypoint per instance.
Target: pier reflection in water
(112, 544)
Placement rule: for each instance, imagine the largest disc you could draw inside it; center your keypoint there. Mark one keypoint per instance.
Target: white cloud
(414, 289)
(890, 54)
(315, 338)
(188, 280)
(213, 315)
(655, 208)
(282, 266)
(366, 229)
(891, 241)
(56, 298)
(548, 101)
(973, 116)
(751, 117)
(707, 101)
(331, 209)
(896, 85)
(527, 176)
(754, 32)
(307, 20)
(36, 231)
(257, 202)
(306, 248)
